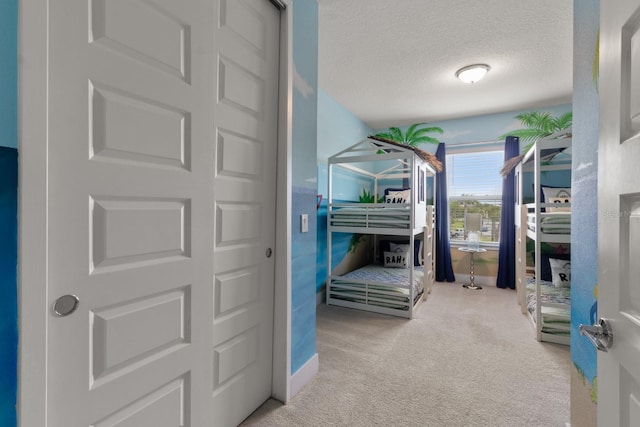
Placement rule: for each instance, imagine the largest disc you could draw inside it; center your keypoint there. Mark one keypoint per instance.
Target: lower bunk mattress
(379, 286)
(551, 316)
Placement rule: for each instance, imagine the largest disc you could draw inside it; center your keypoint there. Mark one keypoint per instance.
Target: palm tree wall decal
(538, 125)
(414, 136)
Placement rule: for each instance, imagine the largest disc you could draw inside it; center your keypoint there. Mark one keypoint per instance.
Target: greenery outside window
(474, 185)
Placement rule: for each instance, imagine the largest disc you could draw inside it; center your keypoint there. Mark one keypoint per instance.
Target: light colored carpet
(467, 359)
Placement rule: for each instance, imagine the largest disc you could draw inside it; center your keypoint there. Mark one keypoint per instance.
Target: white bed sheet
(551, 223)
(382, 217)
(385, 287)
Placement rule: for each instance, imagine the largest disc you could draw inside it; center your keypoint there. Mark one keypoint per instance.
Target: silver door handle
(65, 305)
(599, 334)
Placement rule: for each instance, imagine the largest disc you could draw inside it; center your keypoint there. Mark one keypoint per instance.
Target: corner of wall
(304, 122)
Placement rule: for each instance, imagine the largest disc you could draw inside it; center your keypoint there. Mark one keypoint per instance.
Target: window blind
(474, 174)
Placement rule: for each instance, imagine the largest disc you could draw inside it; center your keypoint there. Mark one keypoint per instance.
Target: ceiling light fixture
(472, 73)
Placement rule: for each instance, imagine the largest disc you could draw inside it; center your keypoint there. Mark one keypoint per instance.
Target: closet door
(246, 54)
(619, 212)
(151, 297)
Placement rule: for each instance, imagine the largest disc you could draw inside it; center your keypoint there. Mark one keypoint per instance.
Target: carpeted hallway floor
(468, 358)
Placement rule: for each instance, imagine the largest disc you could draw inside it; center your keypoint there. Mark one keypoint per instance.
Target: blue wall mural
(8, 288)
(8, 210)
(304, 130)
(9, 74)
(584, 220)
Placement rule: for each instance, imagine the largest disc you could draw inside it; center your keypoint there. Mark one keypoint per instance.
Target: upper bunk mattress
(551, 223)
(374, 217)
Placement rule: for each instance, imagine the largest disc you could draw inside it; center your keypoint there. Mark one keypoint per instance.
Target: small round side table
(472, 252)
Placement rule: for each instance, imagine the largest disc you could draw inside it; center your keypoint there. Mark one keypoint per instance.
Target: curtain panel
(444, 268)
(507, 250)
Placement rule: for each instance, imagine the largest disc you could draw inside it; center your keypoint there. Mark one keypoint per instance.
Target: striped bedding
(386, 287)
(550, 315)
(383, 217)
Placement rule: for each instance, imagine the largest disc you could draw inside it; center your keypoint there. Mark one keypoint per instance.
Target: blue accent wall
(338, 128)
(8, 288)
(304, 136)
(8, 210)
(584, 195)
(9, 74)
(303, 273)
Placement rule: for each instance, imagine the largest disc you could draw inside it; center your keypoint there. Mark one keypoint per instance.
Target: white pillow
(398, 247)
(560, 272)
(395, 259)
(557, 195)
(403, 196)
(403, 247)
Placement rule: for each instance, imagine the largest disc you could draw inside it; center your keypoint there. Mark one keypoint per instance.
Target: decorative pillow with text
(395, 196)
(395, 259)
(557, 195)
(560, 273)
(403, 245)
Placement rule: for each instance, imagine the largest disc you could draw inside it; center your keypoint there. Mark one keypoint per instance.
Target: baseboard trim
(321, 297)
(304, 375)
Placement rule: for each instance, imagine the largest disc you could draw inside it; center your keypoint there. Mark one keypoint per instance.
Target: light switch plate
(304, 223)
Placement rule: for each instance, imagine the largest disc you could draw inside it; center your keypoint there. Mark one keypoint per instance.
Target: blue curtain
(444, 268)
(507, 253)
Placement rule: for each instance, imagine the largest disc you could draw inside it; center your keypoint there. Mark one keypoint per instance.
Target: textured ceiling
(394, 62)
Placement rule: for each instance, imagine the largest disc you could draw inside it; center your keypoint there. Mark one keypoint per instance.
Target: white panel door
(619, 212)
(246, 54)
(160, 211)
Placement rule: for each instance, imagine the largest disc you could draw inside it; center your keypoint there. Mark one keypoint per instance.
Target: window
(474, 186)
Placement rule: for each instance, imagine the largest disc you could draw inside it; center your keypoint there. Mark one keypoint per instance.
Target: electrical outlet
(304, 223)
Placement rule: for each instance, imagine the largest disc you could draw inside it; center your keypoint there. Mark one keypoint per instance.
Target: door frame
(281, 376)
(33, 220)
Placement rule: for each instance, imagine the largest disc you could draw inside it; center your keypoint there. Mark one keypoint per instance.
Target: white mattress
(552, 223)
(382, 217)
(389, 276)
(376, 285)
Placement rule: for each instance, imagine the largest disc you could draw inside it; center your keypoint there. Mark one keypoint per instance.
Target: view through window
(474, 187)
